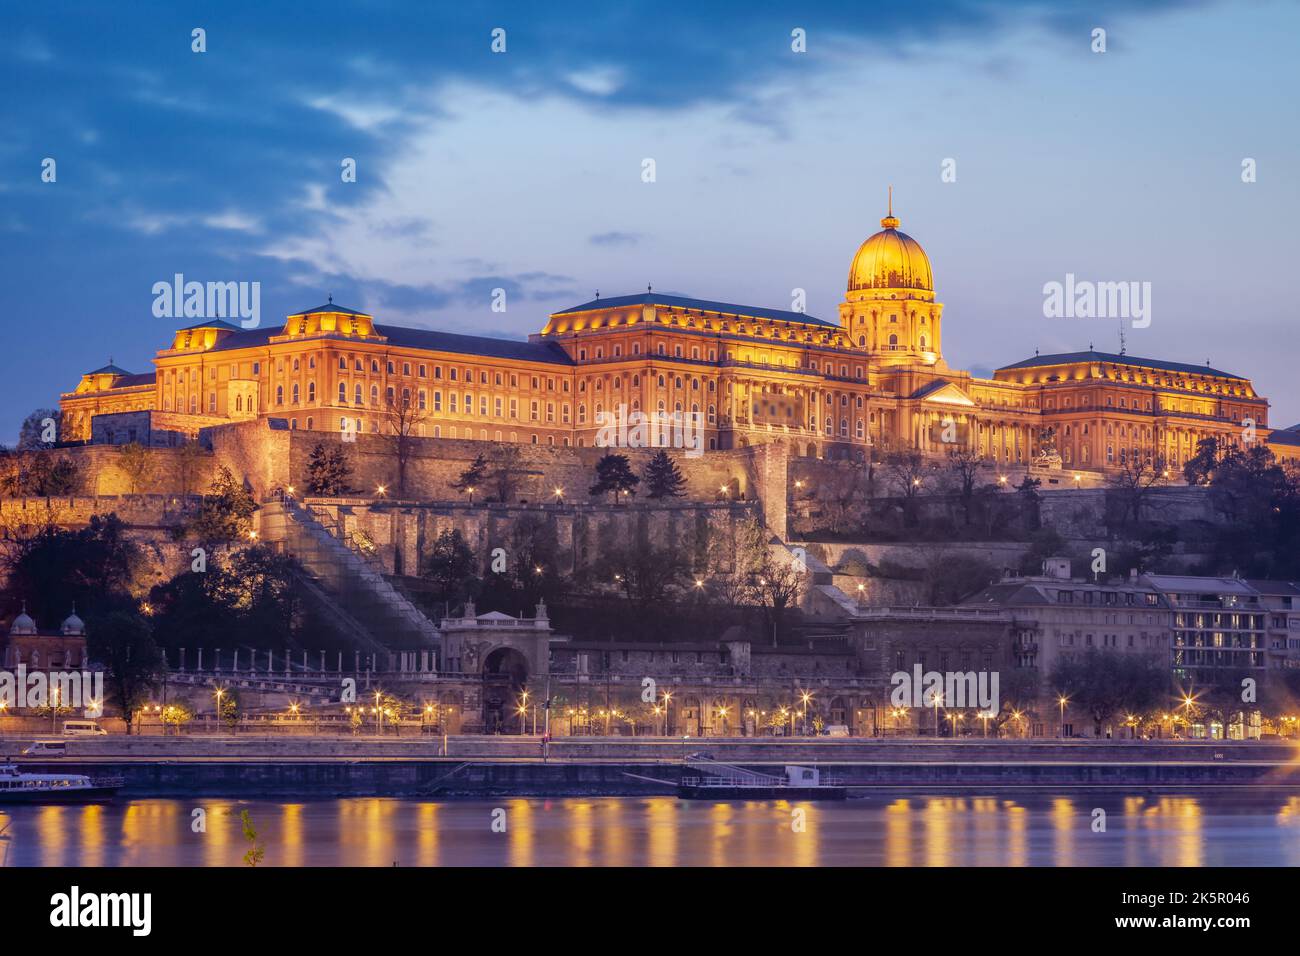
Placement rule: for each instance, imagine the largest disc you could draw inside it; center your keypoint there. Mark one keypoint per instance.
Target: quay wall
(441, 779)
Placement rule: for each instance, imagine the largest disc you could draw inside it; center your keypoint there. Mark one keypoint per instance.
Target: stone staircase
(366, 602)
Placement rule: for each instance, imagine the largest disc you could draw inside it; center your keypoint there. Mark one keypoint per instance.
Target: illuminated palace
(873, 378)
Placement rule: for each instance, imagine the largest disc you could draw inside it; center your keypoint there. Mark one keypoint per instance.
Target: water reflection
(926, 830)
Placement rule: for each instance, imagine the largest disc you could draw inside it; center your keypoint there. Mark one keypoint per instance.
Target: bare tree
(403, 426)
(769, 576)
(189, 462)
(965, 466)
(1132, 483)
(906, 471)
(137, 463)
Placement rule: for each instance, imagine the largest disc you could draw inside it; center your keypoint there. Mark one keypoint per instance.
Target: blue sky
(522, 170)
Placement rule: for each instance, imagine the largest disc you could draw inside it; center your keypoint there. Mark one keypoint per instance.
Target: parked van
(83, 728)
(46, 748)
(837, 730)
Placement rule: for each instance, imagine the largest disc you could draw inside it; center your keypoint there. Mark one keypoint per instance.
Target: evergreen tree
(328, 471)
(663, 478)
(614, 475)
(226, 513)
(449, 566)
(472, 477)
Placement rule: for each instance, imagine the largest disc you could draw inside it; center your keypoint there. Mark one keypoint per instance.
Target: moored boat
(723, 782)
(19, 786)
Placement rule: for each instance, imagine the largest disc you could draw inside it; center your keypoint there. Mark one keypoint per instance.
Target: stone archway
(505, 675)
(507, 662)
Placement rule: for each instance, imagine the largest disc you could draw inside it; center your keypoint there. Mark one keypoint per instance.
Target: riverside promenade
(433, 766)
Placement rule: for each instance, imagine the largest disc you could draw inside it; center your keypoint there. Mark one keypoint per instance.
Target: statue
(1048, 455)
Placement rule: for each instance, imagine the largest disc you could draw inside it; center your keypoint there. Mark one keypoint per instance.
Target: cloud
(615, 239)
(598, 81)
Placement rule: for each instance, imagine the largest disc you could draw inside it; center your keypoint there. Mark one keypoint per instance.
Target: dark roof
(699, 305)
(1285, 588)
(131, 381)
(1015, 593)
(475, 345)
(1066, 358)
(331, 307)
(429, 339)
(1285, 436)
(211, 324)
(109, 369)
(246, 338)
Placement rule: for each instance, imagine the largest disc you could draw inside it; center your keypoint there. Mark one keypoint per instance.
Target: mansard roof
(132, 381)
(1071, 358)
(330, 308)
(699, 305)
(483, 345)
(426, 339)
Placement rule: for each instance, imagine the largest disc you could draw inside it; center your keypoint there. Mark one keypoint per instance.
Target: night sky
(523, 170)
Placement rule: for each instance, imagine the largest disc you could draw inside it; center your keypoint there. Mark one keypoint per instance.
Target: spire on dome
(890, 222)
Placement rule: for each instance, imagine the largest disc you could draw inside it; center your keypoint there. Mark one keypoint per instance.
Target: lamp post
(1062, 700)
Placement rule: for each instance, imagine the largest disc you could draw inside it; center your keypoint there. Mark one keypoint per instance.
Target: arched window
(295, 393)
(343, 393)
(279, 395)
(893, 341)
(311, 391)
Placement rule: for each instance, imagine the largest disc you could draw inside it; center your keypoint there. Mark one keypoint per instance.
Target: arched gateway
(508, 654)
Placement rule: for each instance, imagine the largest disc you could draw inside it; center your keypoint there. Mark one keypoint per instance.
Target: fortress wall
(403, 532)
(102, 475)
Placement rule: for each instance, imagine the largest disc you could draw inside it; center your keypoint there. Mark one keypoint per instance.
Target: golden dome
(891, 260)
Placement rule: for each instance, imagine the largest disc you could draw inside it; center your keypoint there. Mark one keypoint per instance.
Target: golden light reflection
(521, 831)
(426, 841)
(581, 835)
(663, 820)
(898, 833)
(1065, 830)
(1017, 837)
(720, 817)
(290, 844)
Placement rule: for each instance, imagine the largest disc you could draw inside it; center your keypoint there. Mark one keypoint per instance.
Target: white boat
(717, 781)
(19, 786)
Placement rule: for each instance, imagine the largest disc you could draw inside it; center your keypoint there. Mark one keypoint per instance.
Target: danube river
(1226, 829)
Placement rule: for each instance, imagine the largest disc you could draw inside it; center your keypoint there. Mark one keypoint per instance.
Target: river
(1224, 829)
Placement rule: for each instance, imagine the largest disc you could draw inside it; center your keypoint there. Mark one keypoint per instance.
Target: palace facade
(873, 378)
